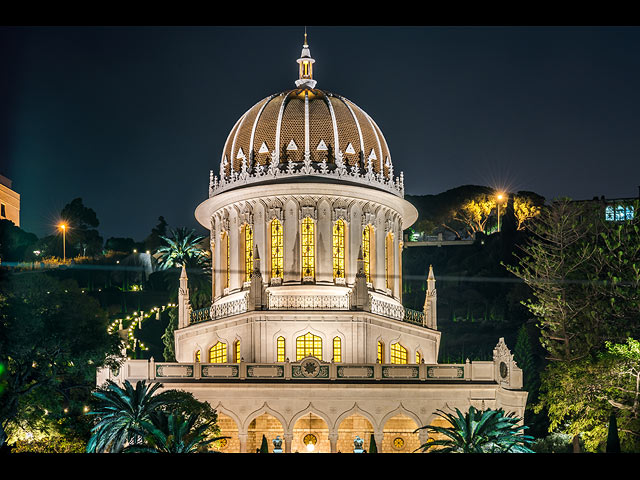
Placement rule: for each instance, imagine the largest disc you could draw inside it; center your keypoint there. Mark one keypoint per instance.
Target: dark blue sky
(132, 119)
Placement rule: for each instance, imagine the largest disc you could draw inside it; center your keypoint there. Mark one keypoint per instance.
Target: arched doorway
(352, 426)
(310, 435)
(399, 436)
(263, 425)
(228, 428)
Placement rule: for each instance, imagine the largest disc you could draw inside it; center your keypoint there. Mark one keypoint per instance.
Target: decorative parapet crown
(339, 171)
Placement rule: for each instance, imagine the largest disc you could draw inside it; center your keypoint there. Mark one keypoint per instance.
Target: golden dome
(305, 120)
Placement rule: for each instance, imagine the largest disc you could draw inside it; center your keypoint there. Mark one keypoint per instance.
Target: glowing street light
(64, 241)
(500, 196)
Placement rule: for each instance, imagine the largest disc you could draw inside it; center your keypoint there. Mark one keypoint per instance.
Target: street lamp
(64, 241)
(500, 196)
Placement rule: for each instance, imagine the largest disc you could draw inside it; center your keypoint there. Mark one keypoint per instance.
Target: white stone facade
(307, 338)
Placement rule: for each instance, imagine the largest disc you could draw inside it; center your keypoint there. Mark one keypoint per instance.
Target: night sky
(132, 119)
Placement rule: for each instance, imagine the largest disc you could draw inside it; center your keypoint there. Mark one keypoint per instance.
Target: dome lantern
(305, 63)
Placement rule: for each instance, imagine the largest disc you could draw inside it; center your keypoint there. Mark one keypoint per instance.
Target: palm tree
(182, 248)
(477, 431)
(174, 433)
(121, 413)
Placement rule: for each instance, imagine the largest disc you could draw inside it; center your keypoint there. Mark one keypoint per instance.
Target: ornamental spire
(305, 63)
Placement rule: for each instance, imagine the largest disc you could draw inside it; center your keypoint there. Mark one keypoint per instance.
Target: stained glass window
(218, 353)
(619, 213)
(277, 249)
(398, 354)
(308, 345)
(366, 251)
(380, 352)
(337, 350)
(338, 249)
(248, 252)
(308, 248)
(280, 350)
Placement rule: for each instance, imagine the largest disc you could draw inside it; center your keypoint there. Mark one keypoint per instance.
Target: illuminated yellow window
(280, 350)
(248, 252)
(236, 354)
(225, 258)
(308, 345)
(337, 350)
(218, 353)
(366, 251)
(197, 355)
(388, 260)
(398, 354)
(338, 249)
(308, 248)
(418, 357)
(380, 352)
(277, 249)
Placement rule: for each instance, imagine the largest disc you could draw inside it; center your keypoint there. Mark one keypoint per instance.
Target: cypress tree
(613, 441)
(373, 448)
(264, 448)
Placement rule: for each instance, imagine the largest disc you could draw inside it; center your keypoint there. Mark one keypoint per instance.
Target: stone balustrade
(308, 368)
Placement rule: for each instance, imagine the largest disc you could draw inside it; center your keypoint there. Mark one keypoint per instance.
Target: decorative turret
(184, 305)
(306, 67)
(430, 300)
(256, 290)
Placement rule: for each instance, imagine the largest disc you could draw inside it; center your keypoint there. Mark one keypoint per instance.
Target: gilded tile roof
(305, 120)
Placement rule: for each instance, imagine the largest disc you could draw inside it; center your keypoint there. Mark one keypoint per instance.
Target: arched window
(277, 249)
(218, 353)
(236, 352)
(197, 356)
(366, 251)
(418, 357)
(308, 345)
(280, 350)
(380, 352)
(398, 354)
(248, 252)
(308, 248)
(337, 350)
(225, 257)
(388, 260)
(338, 249)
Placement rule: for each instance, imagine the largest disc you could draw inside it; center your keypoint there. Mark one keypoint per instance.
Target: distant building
(616, 209)
(9, 202)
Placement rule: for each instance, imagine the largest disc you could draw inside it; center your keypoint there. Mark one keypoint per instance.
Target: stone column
(423, 436)
(242, 437)
(324, 246)
(288, 440)
(234, 246)
(333, 441)
(291, 226)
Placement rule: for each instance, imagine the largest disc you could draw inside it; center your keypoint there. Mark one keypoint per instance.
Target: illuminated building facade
(307, 341)
(9, 202)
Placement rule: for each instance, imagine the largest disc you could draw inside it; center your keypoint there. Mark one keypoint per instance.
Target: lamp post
(499, 198)
(64, 242)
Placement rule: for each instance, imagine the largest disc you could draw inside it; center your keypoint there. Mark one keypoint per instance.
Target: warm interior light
(310, 447)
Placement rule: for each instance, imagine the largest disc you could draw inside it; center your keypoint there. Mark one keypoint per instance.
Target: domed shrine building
(307, 341)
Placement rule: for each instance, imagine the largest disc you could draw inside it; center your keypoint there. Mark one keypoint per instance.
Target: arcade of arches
(396, 435)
